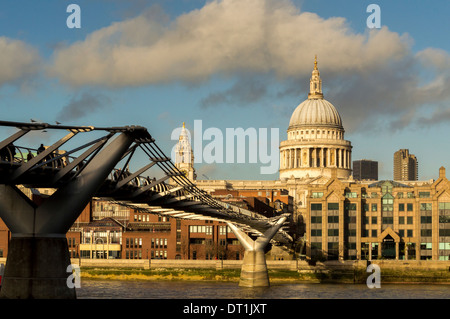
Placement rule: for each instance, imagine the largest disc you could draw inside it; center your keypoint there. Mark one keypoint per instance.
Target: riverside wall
(292, 265)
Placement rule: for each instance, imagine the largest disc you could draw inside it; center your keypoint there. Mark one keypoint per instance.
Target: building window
(316, 232)
(401, 207)
(316, 206)
(409, 207)
(223, 230)
(316, 219)
(333, 232)
(409, 220)
(333, 219)
(374, 220)
(425, 219)
(424, 194)
(401, 220)
(374, 207)
(333, 206)
(425, 233)
(317, 194)
(351, 195)
(386, 188)
(425, 206)
(444, 232)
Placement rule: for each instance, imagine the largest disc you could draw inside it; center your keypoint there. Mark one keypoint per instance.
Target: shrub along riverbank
(358, 275)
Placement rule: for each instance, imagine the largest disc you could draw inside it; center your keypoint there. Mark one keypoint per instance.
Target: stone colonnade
(315, 157)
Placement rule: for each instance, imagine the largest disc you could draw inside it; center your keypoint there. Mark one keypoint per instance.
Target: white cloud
(227, 37)
(373, 78)
(18, 61)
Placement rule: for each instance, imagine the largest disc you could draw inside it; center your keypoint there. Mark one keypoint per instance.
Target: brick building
(108, 230)
(138, 235)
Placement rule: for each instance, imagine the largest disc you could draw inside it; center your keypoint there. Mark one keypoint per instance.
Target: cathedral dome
(315, 144)
(315, 112)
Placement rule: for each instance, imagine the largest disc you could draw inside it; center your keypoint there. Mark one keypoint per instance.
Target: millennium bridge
(96, 162)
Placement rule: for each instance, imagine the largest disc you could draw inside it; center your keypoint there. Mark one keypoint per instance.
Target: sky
(234, 64)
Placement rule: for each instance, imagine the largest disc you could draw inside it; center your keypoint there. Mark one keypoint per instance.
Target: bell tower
(184, 156)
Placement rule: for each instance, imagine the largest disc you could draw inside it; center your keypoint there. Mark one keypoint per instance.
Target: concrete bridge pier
(38, 256)
(36, 268)
(254, 268)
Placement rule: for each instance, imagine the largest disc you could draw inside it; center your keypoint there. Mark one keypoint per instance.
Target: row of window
(365, 232)
(137, 243)
(374, 232)
(210, 242)
(208, 230)
(386, 201)
(154, 254)
(133, 243)
(374, 220)
(375, 195)
(443, 219)
(331, 133)
(410, 250)
(146, 218)
(159, 243)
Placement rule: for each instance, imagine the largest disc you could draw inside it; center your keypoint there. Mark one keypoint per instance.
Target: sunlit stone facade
(379, 220)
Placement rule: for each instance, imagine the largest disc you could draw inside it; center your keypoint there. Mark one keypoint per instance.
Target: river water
(122, 289)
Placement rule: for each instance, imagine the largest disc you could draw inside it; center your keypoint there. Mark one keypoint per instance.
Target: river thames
(121, 289)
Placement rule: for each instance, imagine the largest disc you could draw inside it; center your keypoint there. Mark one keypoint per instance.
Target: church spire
(184, 156)
(315, 83)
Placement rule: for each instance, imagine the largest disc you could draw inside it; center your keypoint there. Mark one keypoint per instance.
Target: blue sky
(234, 64)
